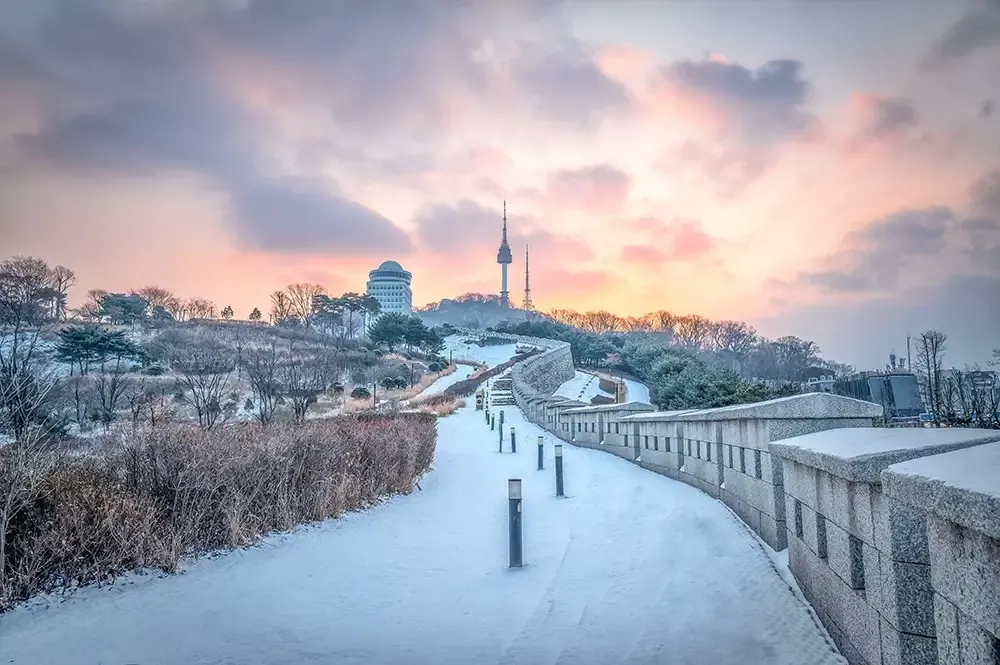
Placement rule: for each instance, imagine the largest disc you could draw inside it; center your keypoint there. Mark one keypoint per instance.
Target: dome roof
(390, 265)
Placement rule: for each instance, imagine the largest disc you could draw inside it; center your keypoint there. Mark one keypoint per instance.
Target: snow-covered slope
(630, 568)
(636, 392)
(491, 355)
(581, 387)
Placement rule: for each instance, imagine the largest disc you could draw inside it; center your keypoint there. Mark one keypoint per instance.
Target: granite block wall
(860, 550)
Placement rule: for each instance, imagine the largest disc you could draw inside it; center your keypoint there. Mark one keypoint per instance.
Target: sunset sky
(824, 169)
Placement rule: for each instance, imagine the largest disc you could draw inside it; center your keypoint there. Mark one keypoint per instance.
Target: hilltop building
(390, 285)
(504, 258)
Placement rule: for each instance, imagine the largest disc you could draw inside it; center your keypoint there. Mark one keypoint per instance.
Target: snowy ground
(582, 387)
(491, 355)
(461, 373)
(636, 392)
(630, 568)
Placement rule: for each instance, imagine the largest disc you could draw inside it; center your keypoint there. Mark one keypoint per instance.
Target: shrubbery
(434, 367)
(156, 497)
(361, 392)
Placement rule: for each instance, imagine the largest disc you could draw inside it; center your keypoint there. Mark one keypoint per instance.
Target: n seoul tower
(504, 258)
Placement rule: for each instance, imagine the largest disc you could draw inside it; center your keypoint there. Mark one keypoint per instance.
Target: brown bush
(442, 404)
(173, 492)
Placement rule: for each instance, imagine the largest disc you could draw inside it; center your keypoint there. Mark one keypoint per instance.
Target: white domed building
(390, 285)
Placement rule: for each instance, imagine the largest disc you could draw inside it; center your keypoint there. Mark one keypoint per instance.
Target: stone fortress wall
(892, 534)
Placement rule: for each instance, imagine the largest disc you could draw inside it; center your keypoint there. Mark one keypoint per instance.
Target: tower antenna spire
(504, 258)
(527, 304)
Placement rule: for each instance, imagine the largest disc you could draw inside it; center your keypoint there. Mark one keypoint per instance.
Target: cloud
(677, 240)
(977, 30)
(985, 194)
(762, 105)
(600, 187)
(455, 227)
(300, 215)
(884, 117)
(723, 168)
(567, 85)
(986, 110)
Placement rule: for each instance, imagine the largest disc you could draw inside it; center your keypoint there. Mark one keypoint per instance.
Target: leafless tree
(300, 300)
(281, 307)
(930, 355)
(91, 309)
(304, 377)
(177, 307)
(204, 370)
(156, 296)
(62, 279)
(692, 332)
(200, 308)
(261, 367)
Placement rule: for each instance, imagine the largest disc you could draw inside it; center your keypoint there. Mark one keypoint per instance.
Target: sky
(823, 169)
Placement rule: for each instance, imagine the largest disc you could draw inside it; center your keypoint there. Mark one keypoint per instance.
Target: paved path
(630, 568)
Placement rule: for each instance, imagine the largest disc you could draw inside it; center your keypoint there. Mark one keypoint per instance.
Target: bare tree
(692, 332)
(177, 307)
(305, 377)
(930, 356)
(91, 309)
(281, 307)
(200, 308)
(300, 300)
(62, 279)
(204, 370)
(261, 367)
(156, 296)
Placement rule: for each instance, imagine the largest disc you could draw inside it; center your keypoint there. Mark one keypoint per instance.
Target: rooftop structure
(390, 285)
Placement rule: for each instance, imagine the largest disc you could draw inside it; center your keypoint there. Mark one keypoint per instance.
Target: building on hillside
(504, 258)
(897, 392)
(818, 380)
(390, 285)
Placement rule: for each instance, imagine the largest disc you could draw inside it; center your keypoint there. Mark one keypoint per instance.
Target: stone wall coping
(807, 406)
(567, 404)
(623, 406)
(961, 486)
(860, 454)
(658, 416)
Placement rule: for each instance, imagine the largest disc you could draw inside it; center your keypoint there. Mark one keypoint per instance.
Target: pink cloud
(600, 188)
(678, 240)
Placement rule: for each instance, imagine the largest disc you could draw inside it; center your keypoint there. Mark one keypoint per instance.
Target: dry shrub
(441, 405)
(172, 492)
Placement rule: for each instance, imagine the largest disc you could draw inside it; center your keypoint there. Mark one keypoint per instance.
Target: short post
(501, 417)
(487, 411)
(493, 423)
(559, 470)
(514, 520)
(513, 440)
(500, 449)
(541, 453)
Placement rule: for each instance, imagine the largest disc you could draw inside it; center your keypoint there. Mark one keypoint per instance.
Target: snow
(636, 392)
(461, 373)
(972, 469)
(631, 567)
(582, 387)
(861, 442)
(491, 355)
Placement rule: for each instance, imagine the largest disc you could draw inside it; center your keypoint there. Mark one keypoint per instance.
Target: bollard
(559, 470)
(514, 520)
(501, 418)
(541, 453)
(500, 449)
(513, 440)
(493, 423)
(487, 412)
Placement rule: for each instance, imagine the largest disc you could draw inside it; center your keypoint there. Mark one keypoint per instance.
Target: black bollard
(493, 423)
(513, 440)
(514, 520)
(541, 453)
(500, 449)
(559, 470)
(501, 418)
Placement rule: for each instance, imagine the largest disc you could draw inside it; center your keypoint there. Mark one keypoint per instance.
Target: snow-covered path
(636, 392)
(583, 386)
(630, 568)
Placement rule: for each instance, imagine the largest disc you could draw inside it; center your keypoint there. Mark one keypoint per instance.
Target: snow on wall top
(962, 486)
(624, 406)
(860, 454)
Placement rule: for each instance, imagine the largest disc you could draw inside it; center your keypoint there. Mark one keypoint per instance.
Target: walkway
(630, 568)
